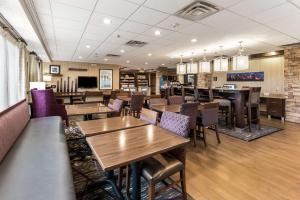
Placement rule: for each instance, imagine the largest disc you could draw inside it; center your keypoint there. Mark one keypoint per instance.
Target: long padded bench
(34, 162)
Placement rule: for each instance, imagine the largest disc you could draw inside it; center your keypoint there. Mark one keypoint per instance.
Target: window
(11, 75)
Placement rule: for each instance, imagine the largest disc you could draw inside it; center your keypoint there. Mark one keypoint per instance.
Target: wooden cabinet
(274, 106)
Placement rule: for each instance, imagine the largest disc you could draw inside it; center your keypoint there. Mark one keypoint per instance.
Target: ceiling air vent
(198, 10)
(134, 43)
(112, 55)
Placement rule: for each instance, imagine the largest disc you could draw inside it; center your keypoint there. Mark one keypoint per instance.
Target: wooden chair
(208, 118)
(136, 105)
(253, 107)
(149, 116)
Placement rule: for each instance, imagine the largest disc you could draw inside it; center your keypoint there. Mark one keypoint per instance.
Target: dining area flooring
(263, 169)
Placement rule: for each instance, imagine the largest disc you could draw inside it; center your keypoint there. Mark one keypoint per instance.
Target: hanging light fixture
(204, 64)
(240, 62)
(221, 63)
(181, 67)
(192, 68)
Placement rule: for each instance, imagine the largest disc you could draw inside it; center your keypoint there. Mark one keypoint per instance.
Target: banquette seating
(34, 160)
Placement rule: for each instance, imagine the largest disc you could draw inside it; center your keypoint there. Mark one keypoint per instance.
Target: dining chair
(135, 105)
(44, 104)
(175, 100)
(191, 110)
(157, 101)
(208, 118)
(253, 107)
(116, 106)
(162, 166)
(149, 116)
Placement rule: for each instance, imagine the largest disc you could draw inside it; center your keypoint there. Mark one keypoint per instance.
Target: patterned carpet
(84, 164)
(245, 134)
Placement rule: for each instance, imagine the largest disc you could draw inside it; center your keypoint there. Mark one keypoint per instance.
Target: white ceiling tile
(168, 6)
(68, 12)
(284, 10)
(137, 1)
(97, 19)
(124, 35)
(163, 32)
(296, 2)
(148, 16)
(252, 7)
(67, 35)
(42, 6)
(134, 27)
(278, 39)
(100, 30)
(118, 8)
(173, 20)
(86, 4)
(144, 38)
(68, 24)
(224, 3)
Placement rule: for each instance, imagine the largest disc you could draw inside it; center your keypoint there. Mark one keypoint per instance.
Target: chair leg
(217, 134)
(204, 137)
(151, 193)
(120, 177)
(258, 117)
(128, 174)
(183, 184)
(67, 122)
(195, 137)
(249, 117)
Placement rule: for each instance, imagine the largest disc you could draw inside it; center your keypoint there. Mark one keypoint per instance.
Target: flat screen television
(87, 82)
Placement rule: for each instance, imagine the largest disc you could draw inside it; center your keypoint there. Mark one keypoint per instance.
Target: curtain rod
(10, 29)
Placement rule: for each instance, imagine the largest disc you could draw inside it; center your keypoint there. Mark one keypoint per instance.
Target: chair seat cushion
(160, 167)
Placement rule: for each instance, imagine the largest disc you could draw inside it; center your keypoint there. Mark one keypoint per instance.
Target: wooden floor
(264, 169)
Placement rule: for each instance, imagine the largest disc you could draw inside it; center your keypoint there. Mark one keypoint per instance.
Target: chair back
(158, 101)
(113, 94)
(176, 123)
(209, 114)
(117, 105)
(254, 95)
(43, 103)
(191, 110)
(149, 116)
(106, 98)
(137, 102)
(176, 100)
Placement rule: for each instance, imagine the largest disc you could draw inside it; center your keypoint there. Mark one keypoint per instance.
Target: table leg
(71, 100)
(136, 181)
(239, 109)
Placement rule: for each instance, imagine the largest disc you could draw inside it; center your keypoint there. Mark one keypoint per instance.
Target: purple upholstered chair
(176, 100)
(116, 106)
(191, 110)
(176, 123)
(44, 104)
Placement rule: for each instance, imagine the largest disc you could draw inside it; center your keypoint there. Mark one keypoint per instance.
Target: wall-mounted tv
(246, 76)
(87, 82)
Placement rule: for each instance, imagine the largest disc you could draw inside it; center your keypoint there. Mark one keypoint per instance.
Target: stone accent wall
(292, 82)
(204, 80)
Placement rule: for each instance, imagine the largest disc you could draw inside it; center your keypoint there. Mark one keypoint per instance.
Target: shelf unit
(127, 80)
(142, 80)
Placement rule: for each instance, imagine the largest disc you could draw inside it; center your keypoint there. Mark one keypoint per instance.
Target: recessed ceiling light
(272, 53)
(88, 46)
(146, 63)
(105, 59)
(127, 61)
(80, 57)
(194, 40)
(106, 21)
(157, 32)
(163, 64)
(149, 54)
(122, 51)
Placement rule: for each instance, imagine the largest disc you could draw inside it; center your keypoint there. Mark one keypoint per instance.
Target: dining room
(149, 99)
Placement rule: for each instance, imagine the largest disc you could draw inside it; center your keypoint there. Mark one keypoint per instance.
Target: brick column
(292, 82)
(204, 80)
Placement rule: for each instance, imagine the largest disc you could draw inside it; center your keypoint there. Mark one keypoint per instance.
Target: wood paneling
(274, 75)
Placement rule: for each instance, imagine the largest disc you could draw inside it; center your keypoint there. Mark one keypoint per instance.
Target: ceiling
(71, 25)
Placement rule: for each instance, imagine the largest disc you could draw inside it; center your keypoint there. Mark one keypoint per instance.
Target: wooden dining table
(87, 109)
(170, 108)
(128, 147)
(101, 126)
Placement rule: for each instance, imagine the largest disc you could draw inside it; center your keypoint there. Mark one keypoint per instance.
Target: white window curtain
(11, 73)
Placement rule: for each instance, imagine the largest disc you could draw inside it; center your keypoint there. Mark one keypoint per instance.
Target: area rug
(85, 165)
(245, 134)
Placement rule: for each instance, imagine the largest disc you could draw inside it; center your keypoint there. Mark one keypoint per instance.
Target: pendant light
(204, 64)
(192, 68)
(181, 67)
(240, 61)
(221, 63)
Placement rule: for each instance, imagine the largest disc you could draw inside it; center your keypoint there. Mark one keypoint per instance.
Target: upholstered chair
(149, 116)
(253, 105)
(208, 118)
(162, 166)
(135, 105)
(191, 110)
(176, 100)
(44, 105)
(116, 106)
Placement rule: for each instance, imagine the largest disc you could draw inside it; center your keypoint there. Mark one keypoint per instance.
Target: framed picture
(106, 79)
(246, 76)
(54, 69)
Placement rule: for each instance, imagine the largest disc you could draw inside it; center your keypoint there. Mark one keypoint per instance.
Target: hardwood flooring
(264, 169)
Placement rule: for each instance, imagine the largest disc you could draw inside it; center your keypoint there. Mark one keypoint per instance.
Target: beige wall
(92, 70)
(274, 75)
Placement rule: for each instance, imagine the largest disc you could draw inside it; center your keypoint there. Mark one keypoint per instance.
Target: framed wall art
(106, 79)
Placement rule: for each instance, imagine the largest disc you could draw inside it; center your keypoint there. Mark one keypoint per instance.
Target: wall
(292, 82)
(92, 70)
(274, 75)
